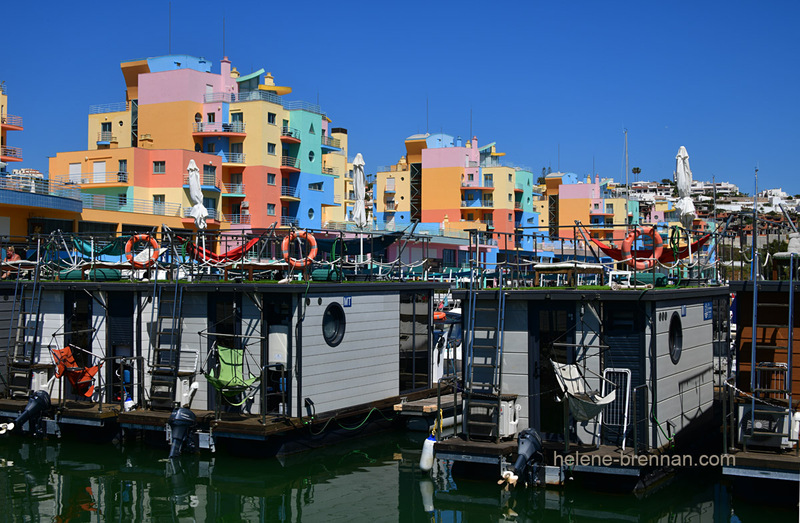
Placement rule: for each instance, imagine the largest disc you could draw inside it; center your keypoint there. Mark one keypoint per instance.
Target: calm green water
(370, 479)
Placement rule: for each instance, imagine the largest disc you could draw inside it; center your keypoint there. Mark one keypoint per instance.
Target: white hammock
(584, 404)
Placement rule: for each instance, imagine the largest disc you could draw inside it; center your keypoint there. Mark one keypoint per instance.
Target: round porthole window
(333, 323)
(310, 214)
(675, 338)
(310, 156)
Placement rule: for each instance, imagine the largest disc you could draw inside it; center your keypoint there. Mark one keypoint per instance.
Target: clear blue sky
(721, 78)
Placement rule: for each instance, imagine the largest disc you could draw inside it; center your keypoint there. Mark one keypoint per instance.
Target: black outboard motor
(37, 404)
(529, 444)
(180, 423)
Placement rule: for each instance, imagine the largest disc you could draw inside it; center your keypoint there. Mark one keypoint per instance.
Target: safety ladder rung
(762, 433)
(770, 367)
(781, 412)
(772, 326)
(769, 347)
(482, 423)
(785, 391)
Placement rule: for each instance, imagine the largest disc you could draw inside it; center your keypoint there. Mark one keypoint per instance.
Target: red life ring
(439, 316)
(642, 264)
(292, 236)
(142, 238)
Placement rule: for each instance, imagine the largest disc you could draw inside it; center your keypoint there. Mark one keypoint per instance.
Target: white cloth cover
(584, 405)
(198, 210)
(683, 179)
(360, 188)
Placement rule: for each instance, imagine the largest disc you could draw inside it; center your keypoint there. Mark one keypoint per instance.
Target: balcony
(330, 144)
(208, 182)
(289, 193)
(10, 122)
(237, 219)
(212, 214)
(517, 206)
(471, 204)
(390, 207)
(94, 178)
(389, 187)
(117, 107)
(299, 105)
(102, 202)
(487, 185)
(34, 192)
(290, 135)
(488, 223)
(519, 187)
(333, 171)
(290, 164)
(288, 221)
(244, 96)
(232, 157)
(105, 138)
(233, 189)
(10, 154)
(218, 129)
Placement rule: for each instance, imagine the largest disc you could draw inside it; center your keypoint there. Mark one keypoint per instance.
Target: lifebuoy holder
(302, 262)
(142, 238)
(642, 264)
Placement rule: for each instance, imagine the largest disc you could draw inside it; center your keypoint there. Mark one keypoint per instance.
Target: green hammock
(229, 381)
(115, 248)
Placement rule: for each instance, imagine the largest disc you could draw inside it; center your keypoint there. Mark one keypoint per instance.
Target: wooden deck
(426, 405)
(78, 410)
(763, 464)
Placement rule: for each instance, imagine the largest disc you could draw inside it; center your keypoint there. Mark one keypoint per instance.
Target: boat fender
(426, 460)
(426, 489)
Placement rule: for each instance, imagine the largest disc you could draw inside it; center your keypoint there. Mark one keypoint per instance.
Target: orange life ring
(294, 262)
(642, 264)
(142, 238)
(439, 315)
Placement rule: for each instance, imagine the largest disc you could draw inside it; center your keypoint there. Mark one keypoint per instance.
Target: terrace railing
(218, 127)
(102, 202)
(116, 107)
(10, 119)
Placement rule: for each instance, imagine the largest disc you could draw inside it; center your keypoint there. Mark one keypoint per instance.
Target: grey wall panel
(515, 357)
(194, 319)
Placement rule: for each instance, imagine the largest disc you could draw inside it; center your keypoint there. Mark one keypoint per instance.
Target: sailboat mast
(627, 185)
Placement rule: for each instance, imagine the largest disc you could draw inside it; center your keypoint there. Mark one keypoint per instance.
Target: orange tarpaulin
(81, 378)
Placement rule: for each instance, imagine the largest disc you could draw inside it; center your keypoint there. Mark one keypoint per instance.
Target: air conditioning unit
(509, 418)
(767, 419)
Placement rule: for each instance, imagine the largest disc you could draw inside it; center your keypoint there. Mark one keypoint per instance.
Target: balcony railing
(288, 221)
(2, 88)
(299, 105)
(10, 119)
(206, 179)
(116, 107)
(212, 214)
(288, 190)
(470, 163)
(11, 152)
(106, 136)
(491, 162)
(232, 157)
(389, 185)
(488, 223)
(290, 161)
(39, 186)
(477, 185)
(519, 187)
(90, 178)
(290, 132)
(234, 188)
(102, 202)
(330, 170)
(331, 142)
(237, 219)
(517, 205)
(244, 96)
(218, 127)
(477, 203)
(391, 206)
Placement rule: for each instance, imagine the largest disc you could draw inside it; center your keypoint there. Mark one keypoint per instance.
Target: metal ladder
(165, 343)
(23, 334)
(484, 350)
(771, 382)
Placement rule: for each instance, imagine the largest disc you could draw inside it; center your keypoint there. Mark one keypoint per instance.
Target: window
(470, 177)
(510, 177)
(675, 338)
(311, 129)
(237, 117)
(105, 127)
(198, 117)
(211, 117)
(271, 209)
(597, 206)
(310, 213)
(315, 186)
(271, 149)
(271, 118)
(210, 203)
(270, 178)
(123, 166)
(210, 147)
(470, 216)
(310, 156)
(511, 217)
(159, 167)
(158, 204)
(123, 200)
(333, 324)
(510, 197)
(210, 169)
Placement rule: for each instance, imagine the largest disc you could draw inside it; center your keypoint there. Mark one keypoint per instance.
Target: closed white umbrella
(360, 188)
(198, 211)
(683, 178)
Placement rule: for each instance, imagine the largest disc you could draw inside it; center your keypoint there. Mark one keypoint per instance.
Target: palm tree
(636, 172)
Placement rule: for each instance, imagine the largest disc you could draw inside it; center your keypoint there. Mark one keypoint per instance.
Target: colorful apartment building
(265, 161)
(8, 122)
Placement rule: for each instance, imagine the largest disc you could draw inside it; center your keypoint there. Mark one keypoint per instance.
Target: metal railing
(391, 206)
(477, 203)
(288, 190)
(206, 179)
(237, 219)
(218, 127)
(331, 142)
(10, 119)
(116, 107)
(389, 186)
(232, 157)
(299, 105)
(90, 178)
(290, 132)
(106, 136)
(330, 170)
(234, 188)
(2, 88)
(39, 186)
(290, 161)
(288, 221)
(244, 96)
(102, 202)
(212, 213)
(11, 152)
(519, 186)
(518, 205)
(491, 162)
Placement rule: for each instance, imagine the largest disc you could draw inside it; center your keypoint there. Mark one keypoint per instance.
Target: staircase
(771, 381)
(23, 335)
(165, 339)
(484, 351)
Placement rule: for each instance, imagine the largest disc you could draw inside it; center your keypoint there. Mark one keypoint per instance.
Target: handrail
(331, 142)
(290, 161)
(12, 152)
(106, 136)
(91, 178)
(10, 119)
(288, 190)
(235, 188)
(104, 202)
(218, 127)
(290, 132)
(114, 107)
(232, 157)
(39, 186)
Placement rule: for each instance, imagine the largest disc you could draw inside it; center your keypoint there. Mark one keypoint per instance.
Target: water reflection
(370, 479)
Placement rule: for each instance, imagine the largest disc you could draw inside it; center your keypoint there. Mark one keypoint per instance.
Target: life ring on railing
(302, 262)
(439, 316)
(142, 238)
(642, 264)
